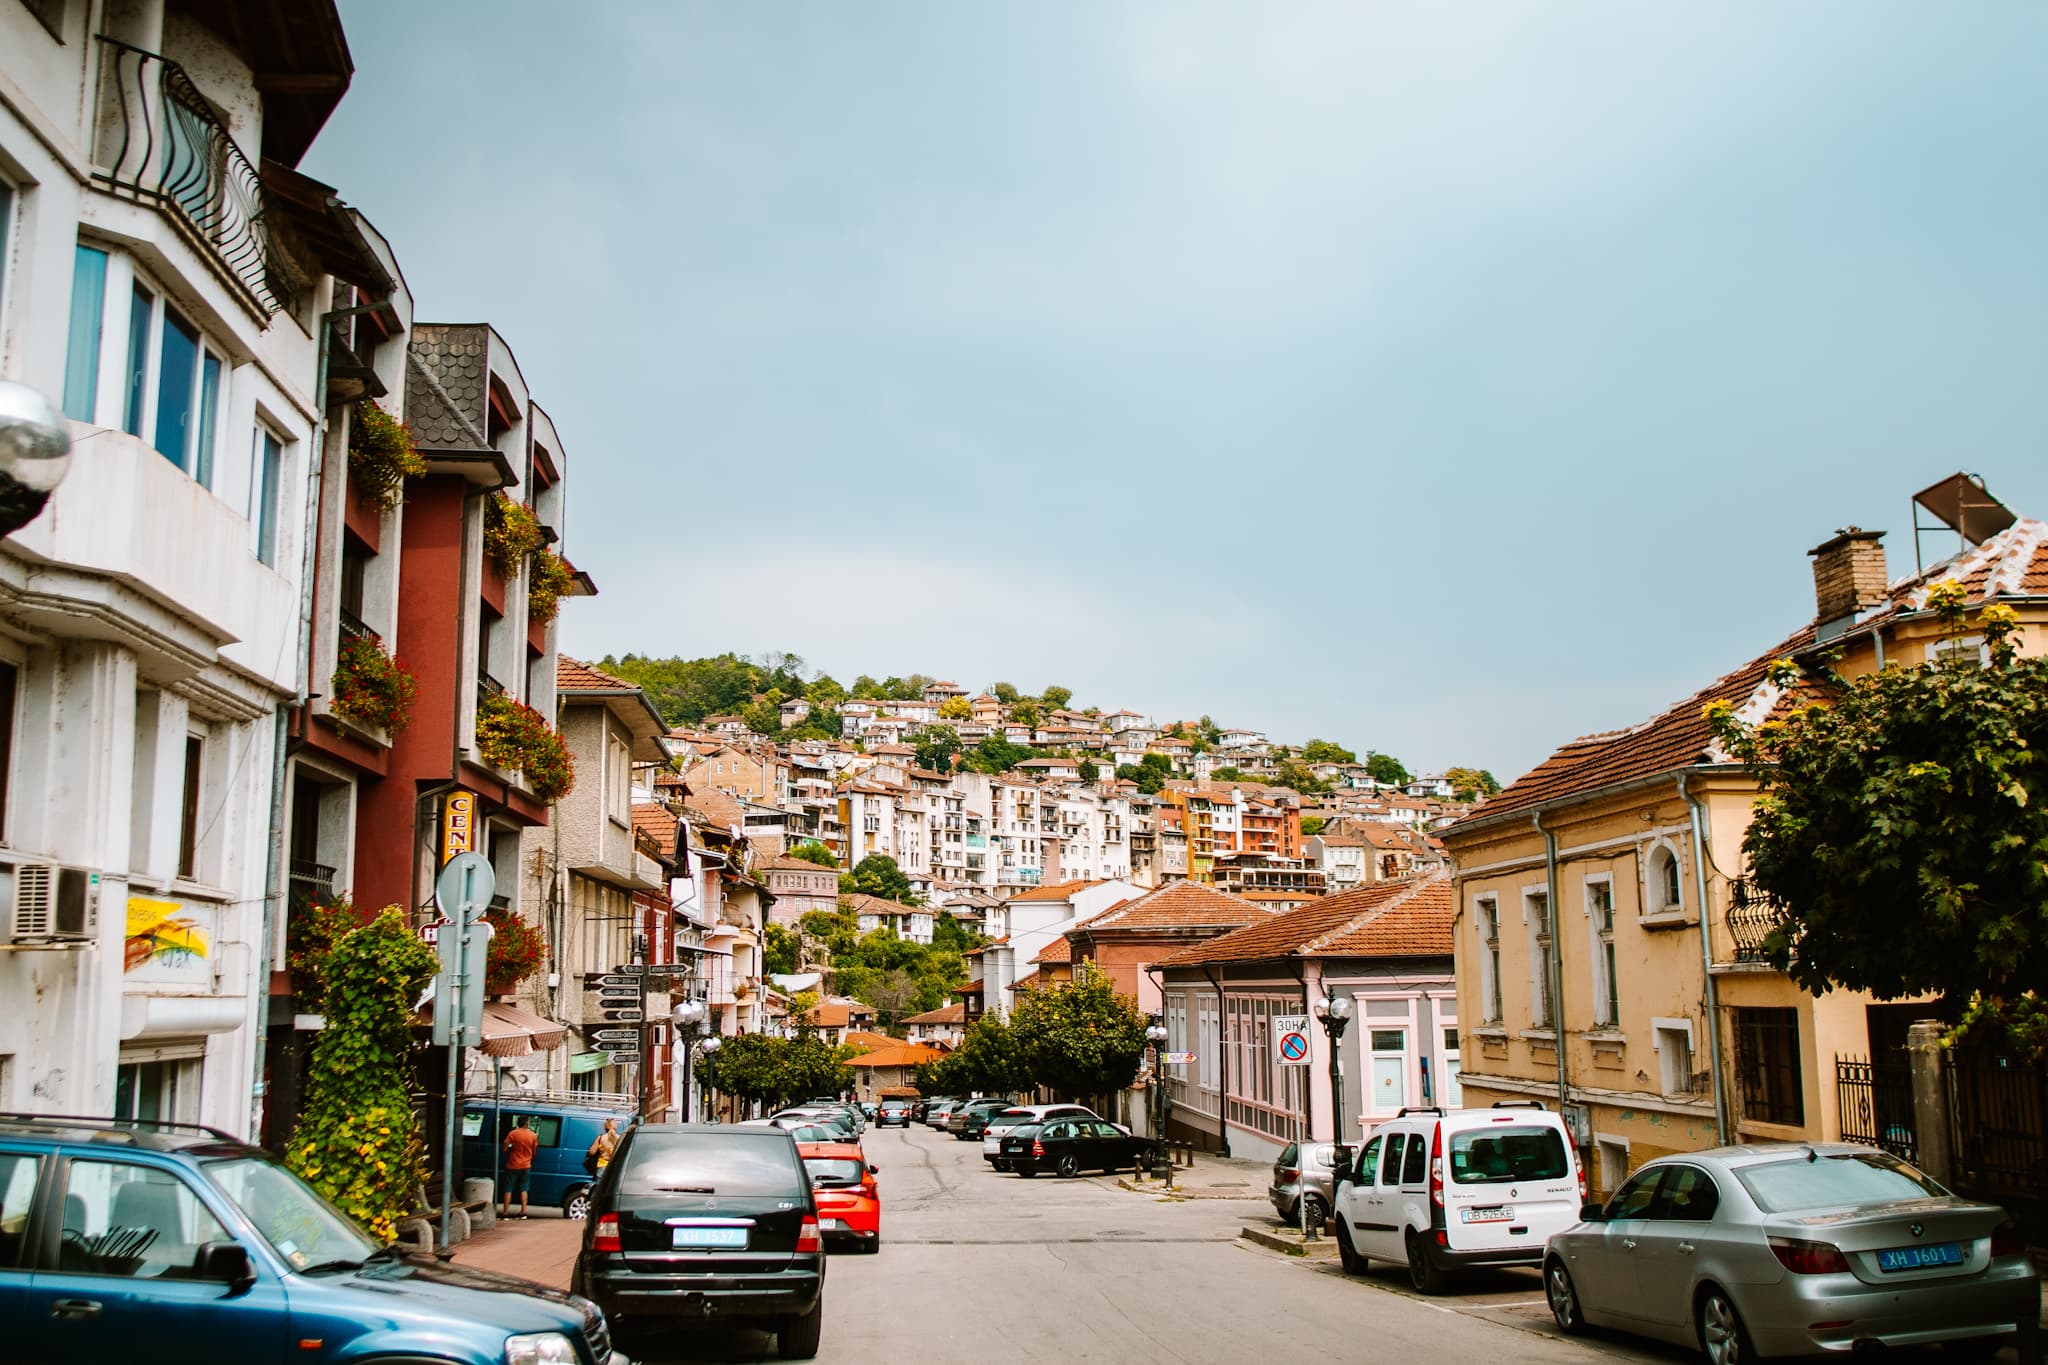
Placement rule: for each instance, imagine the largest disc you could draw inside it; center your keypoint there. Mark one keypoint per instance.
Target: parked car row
(1770, 1249)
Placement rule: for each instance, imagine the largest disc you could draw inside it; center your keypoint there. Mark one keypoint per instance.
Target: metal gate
(1875, 1101)
(2000, 1108)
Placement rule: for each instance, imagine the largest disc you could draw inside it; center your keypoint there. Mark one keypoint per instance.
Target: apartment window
(1536, 909)
(1611, 1163)
(1667, 895)
(167, 1089)
(1767, 1065)
(1489, 962)
(141, 308)
(1600, 913)
(266, 468)
(188, 815)
(1672, 1039)
(88, 312)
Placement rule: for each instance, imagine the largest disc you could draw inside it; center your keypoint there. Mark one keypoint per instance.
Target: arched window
(1666, 893)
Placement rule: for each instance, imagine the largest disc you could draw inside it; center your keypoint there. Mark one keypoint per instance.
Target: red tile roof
(1059, 950)
(1182, 905)
(955, 1013)
(1406, 918)
(1058, 891)
(902, 1054)
(573, 675)
(658, 823)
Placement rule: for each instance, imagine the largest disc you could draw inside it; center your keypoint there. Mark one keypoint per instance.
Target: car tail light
(1289, 1175)
(808, 1237)
(1808, 1258)
(605, 1236)
(1037, 1147)
(1582, 1186)
(2007, 1241)
(1436, 1167)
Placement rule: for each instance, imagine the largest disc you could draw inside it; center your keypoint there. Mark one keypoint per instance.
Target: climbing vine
(356, 1142)
(312, 933)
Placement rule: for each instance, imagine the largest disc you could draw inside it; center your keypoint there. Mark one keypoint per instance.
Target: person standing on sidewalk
(601, 1148)
(520, 1145)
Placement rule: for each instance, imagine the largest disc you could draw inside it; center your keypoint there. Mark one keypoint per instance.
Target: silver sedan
(1792, 1249)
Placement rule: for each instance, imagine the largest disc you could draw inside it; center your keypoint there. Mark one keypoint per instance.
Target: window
(18, 1175)
(1611, 1154)
(1600, 911)
(155, 1090)
(1387, 1088)
(188, 815)
(1390, 1165)
(1536, 909)
(1673, 1040)
(1415, 1169)
(1368, 1162)
(1688, 1195)
(136, 1222)
(141, 308)
(1489, 962)
(1667, 896)
(266, 463)
(82, 353)
(1834, 1181)
(1767, 1065)
(1637, 1196)
(6, 233)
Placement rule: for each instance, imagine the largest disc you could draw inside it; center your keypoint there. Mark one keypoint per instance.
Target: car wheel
(1001, 1164)
(1563, 1296)
(872, 1244)
(1354, 1264)
(1423, 1272)
(1069, 1166)
(1318, 1211)
(576, 1204)
(1722, 1337)
(798, 1339)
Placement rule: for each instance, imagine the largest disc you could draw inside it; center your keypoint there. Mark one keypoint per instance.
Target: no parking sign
(1290, 1039)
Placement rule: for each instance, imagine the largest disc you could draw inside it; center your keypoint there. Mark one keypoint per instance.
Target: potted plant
(550, 581)
(511, 533)
(371, 687)
(381, 455)
(516, 951)
(513, 736)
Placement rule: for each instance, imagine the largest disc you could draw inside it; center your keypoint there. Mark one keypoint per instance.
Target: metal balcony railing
(352, 627)
(486, 683)
(1752, 918)
(159, 141)
(309, 883)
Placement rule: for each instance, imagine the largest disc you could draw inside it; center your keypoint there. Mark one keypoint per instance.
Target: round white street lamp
(35, 452)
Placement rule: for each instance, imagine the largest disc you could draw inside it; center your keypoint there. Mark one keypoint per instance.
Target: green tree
(936, 746)
(1467, 783)
(1090, 770)
(782, 951)
(685, 691)
(356, 1142)
(1080, 1039)
(1227, 774)
(1298, 776)
(1006, 693)
(764, 717)
(1903, 828)
(1151, 773)
(1311, 825)
(1386, 768)
(811, 851)
(761, 1068)
(1323, 751)
(825, 691)
(950, 935)
(879, 875)
(994, 755)
(1055, 697)
(989, 1060)
(867, 689)
(1027, 712)
(956, 708)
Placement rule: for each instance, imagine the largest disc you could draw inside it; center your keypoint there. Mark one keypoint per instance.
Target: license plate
(709, 1238)
(1919, 1258)
(1497, 1213)
(831, 1225)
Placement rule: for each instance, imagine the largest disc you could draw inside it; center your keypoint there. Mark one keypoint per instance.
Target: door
(20, 1173)
(1603, 1255)
(1669, 1249)
(1380, 1234)
(125, 1283)
(1355, 1192)
(1388, 1086)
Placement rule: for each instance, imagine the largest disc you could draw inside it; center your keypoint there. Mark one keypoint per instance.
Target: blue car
(176, 1244)
(560, 1179)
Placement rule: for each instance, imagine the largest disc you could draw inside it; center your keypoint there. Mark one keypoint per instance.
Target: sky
(1445, 380)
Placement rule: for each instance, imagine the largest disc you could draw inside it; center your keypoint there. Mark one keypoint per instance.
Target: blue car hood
(497, 1305)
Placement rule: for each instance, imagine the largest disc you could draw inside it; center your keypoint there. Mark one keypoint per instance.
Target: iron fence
(2000, 1108)
(1752, 918)
(1875, 1101)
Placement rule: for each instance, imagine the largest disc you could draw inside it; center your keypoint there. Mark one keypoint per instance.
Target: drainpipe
(1222, 1067)
(1722, 1125)
(1554, 967)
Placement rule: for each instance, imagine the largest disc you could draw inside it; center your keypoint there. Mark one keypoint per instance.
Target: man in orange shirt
(520, 1145)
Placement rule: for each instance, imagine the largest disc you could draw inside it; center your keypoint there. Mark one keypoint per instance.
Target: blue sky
(1447, 380)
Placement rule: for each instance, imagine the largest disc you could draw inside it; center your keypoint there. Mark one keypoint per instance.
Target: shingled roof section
(1181, 905)
(451, 362)
(658, 822)
(573, 675)
(1410, 917)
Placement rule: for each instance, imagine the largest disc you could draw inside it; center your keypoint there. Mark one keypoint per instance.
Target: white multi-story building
(167, 278)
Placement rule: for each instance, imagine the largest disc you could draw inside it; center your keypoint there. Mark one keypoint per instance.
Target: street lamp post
(1156, 1035)
(35, 450)
(1335, 1012)
(689, 1016)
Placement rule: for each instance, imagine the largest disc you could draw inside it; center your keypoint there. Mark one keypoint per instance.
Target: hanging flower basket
(511, 533)
(381, 455)
(514, 736)
(516, 951)
(371, 687)
(551, 580)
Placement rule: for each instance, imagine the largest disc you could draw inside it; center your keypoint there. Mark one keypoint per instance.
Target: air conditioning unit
(49, 904)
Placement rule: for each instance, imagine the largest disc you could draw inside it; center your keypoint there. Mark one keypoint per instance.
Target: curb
(1291, 1244)
(1180, 1191)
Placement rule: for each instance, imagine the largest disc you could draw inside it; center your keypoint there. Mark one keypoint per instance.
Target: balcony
(309, 883)
(486, 683)
(1753, 918)
(352, 627)
(160, 143)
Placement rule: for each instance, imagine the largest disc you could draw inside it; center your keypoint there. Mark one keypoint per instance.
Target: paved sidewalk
(1211, 1177)
(541, 1248)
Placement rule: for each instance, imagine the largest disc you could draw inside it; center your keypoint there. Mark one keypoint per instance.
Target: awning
(581, 1063)
(510, 1031)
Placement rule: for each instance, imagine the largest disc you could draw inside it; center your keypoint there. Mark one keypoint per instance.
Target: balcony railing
(309, 883)
(486, 683)
(352, 627)
(160, 142)
(1752, 918)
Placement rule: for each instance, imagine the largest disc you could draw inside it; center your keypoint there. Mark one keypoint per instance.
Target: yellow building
(1588, 977)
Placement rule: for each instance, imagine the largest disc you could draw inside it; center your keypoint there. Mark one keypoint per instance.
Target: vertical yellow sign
(458, 825)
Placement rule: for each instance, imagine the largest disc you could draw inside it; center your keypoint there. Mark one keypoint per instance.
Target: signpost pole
(462, 890)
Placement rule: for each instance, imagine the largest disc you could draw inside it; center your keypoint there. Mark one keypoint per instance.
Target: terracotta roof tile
(658, 822)
(1409, 917)
(1058, 891)
(573, 675)
(1182, 905)
(1059, 950)
(955, 1013)
(902, 1054)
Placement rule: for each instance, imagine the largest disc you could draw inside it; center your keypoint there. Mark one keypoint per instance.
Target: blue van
(566, 1126)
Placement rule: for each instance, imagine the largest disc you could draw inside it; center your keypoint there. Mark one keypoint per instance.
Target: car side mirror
(226, 1262)
(1592, 1213)
(873, 1169)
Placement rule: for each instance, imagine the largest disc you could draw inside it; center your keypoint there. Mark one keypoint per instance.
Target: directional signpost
(462, 891)
(614, 1035)
(1179, 1058)
(1290, 1039)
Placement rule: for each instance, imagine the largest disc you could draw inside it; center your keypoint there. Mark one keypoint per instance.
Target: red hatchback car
(843, 1184)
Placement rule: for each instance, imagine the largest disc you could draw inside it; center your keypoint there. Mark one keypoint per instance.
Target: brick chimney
(1848, 574)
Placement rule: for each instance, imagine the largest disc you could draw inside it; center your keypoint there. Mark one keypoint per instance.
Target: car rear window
(709, 1163)
(1500, 1156)
(1009, 1117)
(1025, 1130)
(832, 1171)
(1835, 1181)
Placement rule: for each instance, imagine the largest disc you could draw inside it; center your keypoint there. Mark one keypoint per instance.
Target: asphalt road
(976, 1266)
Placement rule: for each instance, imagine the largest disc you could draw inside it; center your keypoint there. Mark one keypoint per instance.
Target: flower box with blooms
(511, 533)
(513, 736)
(381, 455)
(371, 687)
(517, 951)
(550, 582)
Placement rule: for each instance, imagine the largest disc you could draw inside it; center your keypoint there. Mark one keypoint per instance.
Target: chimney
(1848, 575)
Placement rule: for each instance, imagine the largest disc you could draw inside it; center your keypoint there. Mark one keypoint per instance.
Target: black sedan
(1070, 1146)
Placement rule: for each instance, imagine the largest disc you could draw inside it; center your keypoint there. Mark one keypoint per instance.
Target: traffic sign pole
(461, 891)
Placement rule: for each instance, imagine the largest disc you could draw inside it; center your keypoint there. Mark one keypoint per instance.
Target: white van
(1441, 1190)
